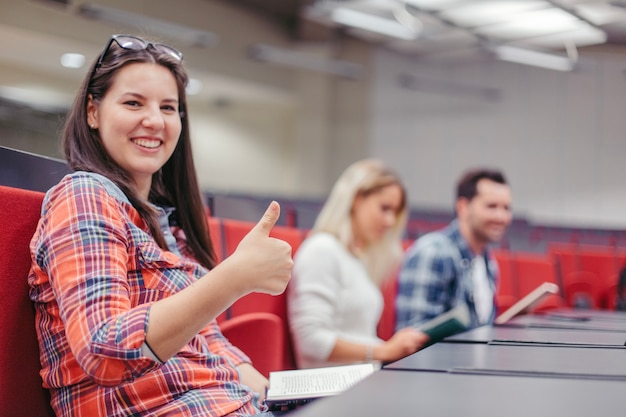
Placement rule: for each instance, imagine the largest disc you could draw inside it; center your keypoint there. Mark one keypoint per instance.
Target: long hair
(363, 178)
(175, 184)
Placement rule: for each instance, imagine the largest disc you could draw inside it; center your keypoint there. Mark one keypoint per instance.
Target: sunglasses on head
(134, 43)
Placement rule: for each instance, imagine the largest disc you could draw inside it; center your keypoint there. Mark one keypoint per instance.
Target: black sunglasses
(134, 43)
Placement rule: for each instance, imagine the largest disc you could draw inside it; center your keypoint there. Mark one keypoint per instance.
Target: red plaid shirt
(96, 271)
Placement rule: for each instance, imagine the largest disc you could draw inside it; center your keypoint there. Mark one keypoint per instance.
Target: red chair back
(387, 324)
(507, 292)
(531, 271)
(21, 391)
(260, 336)
(215, 230)
(233, 232)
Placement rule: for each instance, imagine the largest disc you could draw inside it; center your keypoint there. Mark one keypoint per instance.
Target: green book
(447, 324)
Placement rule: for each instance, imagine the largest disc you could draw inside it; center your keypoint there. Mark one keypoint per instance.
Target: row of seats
(587, 276)
(257, 323)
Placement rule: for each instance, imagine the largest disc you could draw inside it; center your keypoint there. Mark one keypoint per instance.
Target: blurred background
(286, 93)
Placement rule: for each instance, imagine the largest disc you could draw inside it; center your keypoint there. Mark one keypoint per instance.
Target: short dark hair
(467, 185)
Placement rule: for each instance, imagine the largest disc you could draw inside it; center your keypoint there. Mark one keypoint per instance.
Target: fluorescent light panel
(432, 5)
(534, 23)
(585, 36)
(488, 12)
(373, 23)
(601, 14)
(534, 58)
(72, 60)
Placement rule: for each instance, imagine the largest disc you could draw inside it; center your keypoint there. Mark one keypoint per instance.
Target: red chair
(608, 297)
(291, 235)
(260, 336)
(565, 261)
(387, 324)
(21, 391)
(604, 262)
(507, 292)
(389, 288)
(215, 230)
(531, 271)
(581, 289)
(233, 232)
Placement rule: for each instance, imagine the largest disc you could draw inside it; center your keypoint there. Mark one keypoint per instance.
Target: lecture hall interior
(285, 94)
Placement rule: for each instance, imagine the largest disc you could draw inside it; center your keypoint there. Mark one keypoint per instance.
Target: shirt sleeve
(83, 248)
(313, 299)
(425, 284)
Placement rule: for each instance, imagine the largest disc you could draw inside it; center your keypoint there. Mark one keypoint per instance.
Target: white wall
(559, 137)
(282, 132)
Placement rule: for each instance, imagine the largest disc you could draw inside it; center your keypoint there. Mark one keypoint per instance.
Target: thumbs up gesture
(263, 263)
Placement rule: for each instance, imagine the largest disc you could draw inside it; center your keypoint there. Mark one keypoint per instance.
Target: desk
(401, 393)
(541, 336)
(584, 314)
(536, 361)
(553, 321)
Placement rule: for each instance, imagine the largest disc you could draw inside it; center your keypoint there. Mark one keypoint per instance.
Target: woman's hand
(253, 379)
(403, 343)
(262, 263)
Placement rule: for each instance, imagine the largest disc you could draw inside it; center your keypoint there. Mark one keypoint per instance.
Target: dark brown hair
(175, 184)
(467, 185)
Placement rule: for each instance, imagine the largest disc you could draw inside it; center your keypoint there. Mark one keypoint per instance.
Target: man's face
(488, 214)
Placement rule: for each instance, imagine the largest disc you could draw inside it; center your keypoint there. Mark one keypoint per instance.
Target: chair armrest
(259, 335)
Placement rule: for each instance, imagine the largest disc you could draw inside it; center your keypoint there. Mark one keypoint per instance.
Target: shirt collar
(453, 231)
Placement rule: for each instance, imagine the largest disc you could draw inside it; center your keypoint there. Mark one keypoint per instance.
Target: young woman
(124, 279)
(334, 298)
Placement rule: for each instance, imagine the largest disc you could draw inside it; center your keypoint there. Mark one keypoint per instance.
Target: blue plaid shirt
(436, 276)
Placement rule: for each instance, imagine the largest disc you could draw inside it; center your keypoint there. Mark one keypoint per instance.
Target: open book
(528, 302)
(290, 388)
(451, 322)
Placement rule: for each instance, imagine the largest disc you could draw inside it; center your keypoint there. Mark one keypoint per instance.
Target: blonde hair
(363, 178)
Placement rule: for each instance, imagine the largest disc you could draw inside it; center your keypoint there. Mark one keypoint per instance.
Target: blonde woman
(335, 301)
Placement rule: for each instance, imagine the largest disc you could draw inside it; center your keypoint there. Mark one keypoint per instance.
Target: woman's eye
(168, 108)
(132, 103)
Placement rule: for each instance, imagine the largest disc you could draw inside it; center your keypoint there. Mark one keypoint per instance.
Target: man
(453, 265)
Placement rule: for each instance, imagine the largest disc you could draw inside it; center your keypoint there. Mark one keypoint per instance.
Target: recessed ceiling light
(73, 60)
(194, 87)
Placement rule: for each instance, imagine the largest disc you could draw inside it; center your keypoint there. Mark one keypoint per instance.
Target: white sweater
(330, 297)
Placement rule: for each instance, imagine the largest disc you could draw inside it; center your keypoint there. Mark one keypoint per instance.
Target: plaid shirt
(96, 271)
(436, 276)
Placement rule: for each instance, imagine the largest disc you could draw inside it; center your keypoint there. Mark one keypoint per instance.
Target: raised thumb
(269, 219)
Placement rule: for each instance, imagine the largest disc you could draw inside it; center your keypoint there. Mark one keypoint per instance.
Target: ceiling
(433, 31)
(458, 29)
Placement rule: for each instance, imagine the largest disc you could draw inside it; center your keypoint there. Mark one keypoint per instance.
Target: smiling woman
(124, 278)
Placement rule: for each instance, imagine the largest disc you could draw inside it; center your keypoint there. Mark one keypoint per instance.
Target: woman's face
(138, 120)
(375, 213)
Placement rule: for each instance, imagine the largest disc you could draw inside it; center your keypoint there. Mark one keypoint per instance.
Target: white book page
(318, 382)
